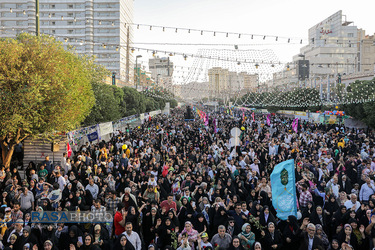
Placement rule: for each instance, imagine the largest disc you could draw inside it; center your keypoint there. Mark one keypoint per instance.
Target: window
(53, 6)
(53, 23)
(70, 23)
(350, 35)
(53, 31)
(70, 31)
(70, 14)
(70, 6)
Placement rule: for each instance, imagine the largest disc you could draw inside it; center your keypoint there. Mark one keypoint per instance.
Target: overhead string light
(214, 32)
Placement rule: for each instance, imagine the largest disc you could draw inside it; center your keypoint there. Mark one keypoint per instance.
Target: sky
(288, 18)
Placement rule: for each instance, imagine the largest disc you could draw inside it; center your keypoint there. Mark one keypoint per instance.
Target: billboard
(303, 69)
(329, 27)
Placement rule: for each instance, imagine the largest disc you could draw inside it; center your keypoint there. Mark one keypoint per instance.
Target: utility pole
(37, 31)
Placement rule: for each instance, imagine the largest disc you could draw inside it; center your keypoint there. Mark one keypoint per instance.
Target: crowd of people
(176, 184)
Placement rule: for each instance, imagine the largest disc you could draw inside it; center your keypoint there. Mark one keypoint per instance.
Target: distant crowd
(176, 184)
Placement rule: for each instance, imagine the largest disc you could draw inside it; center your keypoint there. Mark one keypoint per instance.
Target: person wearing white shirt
(230, 165)
(353, 202)
(242, 162)
(333, 184)
(132, 236)
(60, 180)
(93, 188)
(255, 167)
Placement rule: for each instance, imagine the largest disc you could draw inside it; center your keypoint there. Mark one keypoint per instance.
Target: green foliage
(43, 87)
(109, 104)
(360, 99)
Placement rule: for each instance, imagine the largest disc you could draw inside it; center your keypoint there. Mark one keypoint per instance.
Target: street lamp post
(37, 31)
(136, 66)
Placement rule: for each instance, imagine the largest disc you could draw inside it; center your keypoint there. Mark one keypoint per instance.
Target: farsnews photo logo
(71, 217)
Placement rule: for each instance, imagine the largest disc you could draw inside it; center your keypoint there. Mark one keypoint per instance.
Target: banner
(92, 136)
(253, 116)
(295, 125)
(268, 119)
(284, 198)
(105, 128)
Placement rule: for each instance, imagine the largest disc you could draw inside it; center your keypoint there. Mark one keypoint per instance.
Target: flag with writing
(284, 198)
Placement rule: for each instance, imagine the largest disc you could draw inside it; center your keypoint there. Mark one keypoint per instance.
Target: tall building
(332, 47)
(218, 82)
(366, 53)
(93, 27)
(160, 67)
(223, 83)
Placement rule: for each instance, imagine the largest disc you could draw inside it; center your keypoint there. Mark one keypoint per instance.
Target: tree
(43, 89)
(360, 101)
(109, 105)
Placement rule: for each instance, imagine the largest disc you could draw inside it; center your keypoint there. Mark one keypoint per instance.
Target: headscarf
(272, 234)
(257, 244)
(205, 214)
(348, 225)
(244, 230)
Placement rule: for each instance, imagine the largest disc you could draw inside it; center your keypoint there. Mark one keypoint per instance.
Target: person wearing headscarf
(347, 236)
(48, 234)
(257, 246)
(322, 235)
(334, 245)
(318, 217)
(148, 225)
(71, 237)
(271, 239)
(290, 233)
(236, 244)
(266, 216)
(165, 233)
(359, 232)
(247, 237)
(339, 216)
(122, 243)
(220, 218)
(133, 216)
(28, 237)
(100, 236)
(200, 223)
(191, 233)
(206, 213)
(48, 245)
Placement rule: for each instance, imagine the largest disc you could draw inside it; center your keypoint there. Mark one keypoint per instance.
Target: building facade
(94, 27)
(366, 53)
(160, 67)
(336, 49)
(332, 47)
(224, 83)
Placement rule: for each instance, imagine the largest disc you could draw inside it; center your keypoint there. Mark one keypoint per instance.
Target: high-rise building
(223, 83)
(162, 67)
(332, 47)
(93, 27)
(366, 52)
